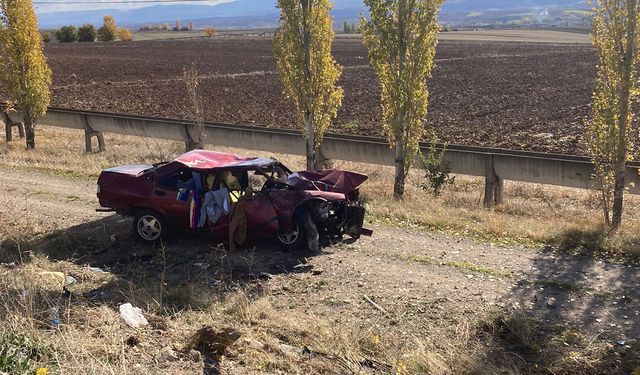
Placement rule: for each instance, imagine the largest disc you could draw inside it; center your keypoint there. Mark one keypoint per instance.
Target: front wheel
(150, 226)
(293, 238)
(303, 231)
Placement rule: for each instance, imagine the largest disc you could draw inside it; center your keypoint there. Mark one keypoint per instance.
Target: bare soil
(518, 95)
(421, 279)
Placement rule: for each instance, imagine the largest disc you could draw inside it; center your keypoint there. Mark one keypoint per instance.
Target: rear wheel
(150, 226)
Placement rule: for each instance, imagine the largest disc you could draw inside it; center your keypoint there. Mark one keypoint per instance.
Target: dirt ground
(517, 95)
(427, 283)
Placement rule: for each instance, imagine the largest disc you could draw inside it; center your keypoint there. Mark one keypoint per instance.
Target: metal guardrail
(496, 165)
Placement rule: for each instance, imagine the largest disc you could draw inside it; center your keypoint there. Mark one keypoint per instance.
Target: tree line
(108, 32)
(401, 36)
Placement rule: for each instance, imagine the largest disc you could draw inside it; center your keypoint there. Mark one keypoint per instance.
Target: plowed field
(531, 96)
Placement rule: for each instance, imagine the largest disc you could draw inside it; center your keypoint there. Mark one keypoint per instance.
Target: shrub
(87, 33)
(210, 32)
(437, 173)
(67, 34)
(108, 31)
(46, 36)
(125, 35)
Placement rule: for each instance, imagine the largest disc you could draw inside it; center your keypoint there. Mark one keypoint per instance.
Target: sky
(46, 6)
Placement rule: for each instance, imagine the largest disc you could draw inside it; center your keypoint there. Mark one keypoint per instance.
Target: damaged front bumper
(339, 218)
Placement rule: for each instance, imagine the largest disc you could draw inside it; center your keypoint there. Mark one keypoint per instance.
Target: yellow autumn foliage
(23, 65)
(308, 71)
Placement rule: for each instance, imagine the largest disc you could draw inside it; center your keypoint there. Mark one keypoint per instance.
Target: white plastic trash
(132, 316)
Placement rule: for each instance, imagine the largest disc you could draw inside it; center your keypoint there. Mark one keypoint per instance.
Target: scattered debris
(213, 343)
(97, 270)
(54, 317)
(621, 342)
(366, 298)
(167, 354)
(69, 280)
(195, 355)
(254, 344)
(132, 316)
(551, 302)
(317, 271)
(96, 295)
(9, 265)
(133, 341)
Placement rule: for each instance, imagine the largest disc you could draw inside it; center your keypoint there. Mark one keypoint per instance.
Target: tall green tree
(23, 65)
(87, 33)
(615, 37)
(67, 34)
(109, 31)
(401, 37)
(308, 71)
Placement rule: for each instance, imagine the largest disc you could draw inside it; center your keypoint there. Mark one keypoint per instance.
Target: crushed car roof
(202, 159)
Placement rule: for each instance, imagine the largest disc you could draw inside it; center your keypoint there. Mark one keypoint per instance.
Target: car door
(165, 198)
(262, 220)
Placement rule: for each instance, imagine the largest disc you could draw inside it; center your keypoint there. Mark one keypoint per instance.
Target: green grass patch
(463, 265)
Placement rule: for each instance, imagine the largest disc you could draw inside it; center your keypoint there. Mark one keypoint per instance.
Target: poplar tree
(23, 65)
(608, 135)
(401, 37)
(309, 73)
(109, 31)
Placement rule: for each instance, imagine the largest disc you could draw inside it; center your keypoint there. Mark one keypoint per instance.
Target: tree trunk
(398, 186)
(623, 120)
(310, 142)
(310, 128)
(30, 130)
(399, 126)
(618, 195)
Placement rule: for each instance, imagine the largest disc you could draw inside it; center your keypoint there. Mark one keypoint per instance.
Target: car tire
(150, 226)
(302, 235)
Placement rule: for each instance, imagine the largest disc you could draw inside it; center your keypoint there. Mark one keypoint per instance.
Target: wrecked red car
(239, 199)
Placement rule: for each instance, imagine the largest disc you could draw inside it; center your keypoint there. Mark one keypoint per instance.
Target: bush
(437, 173)
(108, 31)
(125, 35)
(67, 34)
(87, 33)
(210, 32)
(46, 37)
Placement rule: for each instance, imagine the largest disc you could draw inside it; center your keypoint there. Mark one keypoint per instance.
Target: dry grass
(536, 215)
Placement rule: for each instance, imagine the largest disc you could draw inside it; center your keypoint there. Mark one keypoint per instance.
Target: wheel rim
(291, 236)
(149, 227)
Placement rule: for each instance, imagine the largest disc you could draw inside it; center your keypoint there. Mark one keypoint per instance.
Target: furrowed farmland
(530, 96)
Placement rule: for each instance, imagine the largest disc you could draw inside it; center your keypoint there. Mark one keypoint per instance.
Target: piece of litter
(599, 320)
(132, 316)
(96, 269)
(620, 342)
(68, 280)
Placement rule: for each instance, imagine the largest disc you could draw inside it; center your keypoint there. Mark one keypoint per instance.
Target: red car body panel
(128, 189)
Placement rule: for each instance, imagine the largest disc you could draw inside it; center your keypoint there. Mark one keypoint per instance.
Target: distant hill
(231, 14)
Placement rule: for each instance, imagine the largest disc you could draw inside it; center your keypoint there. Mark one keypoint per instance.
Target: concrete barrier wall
(494, 164)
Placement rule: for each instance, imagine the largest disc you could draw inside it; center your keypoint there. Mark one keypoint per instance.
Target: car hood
(131, 170)
(329, 180)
